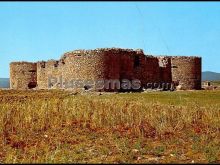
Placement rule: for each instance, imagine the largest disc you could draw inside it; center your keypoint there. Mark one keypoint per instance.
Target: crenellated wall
(107, 63)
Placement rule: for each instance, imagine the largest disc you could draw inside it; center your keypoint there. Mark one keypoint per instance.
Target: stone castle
(109, 63)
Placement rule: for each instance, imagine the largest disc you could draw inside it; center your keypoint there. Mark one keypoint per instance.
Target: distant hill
(210, 76)
(4, 83)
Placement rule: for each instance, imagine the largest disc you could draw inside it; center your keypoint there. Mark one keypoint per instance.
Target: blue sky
(34, 31)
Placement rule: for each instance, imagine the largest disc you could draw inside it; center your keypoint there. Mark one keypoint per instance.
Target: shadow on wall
(32, 85)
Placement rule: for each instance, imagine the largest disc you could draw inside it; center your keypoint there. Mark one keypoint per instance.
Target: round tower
(109, 64)
(89, 66)
(23, 75)
(186, 72)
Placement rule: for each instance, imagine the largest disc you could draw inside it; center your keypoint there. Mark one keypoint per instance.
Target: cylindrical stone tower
(23, 75)
(186, 71)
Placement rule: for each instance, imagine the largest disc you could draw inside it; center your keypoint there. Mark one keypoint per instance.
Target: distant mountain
(4, 83)
(210, 76)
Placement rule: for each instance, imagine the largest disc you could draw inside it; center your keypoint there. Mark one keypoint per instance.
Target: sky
(35, 31)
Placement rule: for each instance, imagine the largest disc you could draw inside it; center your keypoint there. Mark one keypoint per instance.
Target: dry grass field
(216, 83)
(156, 127)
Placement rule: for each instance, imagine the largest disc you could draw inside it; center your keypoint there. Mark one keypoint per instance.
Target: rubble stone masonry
(187, 71)
(23, 75)
(108, 63)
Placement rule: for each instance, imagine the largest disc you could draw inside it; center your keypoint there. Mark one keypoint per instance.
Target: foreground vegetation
(216, 83)
(155, 127)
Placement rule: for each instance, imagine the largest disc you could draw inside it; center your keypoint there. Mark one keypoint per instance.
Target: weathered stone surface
(108, 63)
(187, 71)
(23, 75)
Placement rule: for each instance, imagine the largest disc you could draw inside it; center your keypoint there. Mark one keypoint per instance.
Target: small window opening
(33, 71)
(62, 61)
(78, 55)
(43, 65)
(136, 61)
(56, 64)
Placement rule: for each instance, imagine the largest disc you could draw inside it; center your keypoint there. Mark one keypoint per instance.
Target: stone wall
(165, 69)
(23, 75)
(186, 71)
(84, 65)
(110, 64)
(47, 69)
(149, 70)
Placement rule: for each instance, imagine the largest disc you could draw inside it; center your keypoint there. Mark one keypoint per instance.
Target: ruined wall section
(100, 64)
(165, 74)
(105, 64)
(23, 75)
(115, 61)
(186, 71)
(130, 64)
(123, 64)
(149, 70)
(48, 70)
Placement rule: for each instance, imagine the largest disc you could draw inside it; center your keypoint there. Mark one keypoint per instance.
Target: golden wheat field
(156, 127)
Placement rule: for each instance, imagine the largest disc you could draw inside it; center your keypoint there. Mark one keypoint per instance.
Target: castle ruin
(108, 63)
